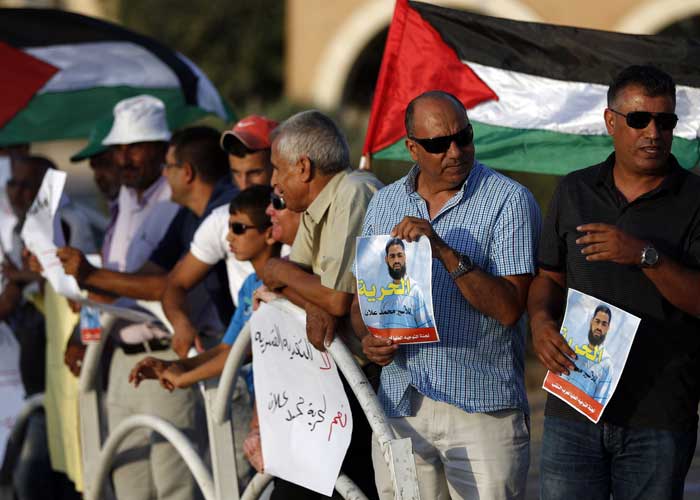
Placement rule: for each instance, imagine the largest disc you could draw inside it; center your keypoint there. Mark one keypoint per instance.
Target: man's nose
(652, 130)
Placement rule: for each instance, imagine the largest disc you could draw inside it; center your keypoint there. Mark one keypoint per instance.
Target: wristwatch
(464, 265)
(650, 257)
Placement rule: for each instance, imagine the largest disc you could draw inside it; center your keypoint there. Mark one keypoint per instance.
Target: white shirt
(209, 245)
(139, 227)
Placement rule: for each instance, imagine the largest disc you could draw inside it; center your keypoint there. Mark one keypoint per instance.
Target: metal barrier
(217, 397)
(169, 432)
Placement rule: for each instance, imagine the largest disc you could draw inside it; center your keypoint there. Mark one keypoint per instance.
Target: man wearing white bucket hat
(147, 467)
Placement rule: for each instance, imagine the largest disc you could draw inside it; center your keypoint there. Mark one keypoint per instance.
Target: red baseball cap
(252, 133)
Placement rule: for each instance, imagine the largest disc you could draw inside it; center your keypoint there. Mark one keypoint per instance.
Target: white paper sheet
(305, 419)
(42, 233)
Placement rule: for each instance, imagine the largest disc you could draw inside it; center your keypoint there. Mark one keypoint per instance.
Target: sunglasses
(640, 119)
(277, 201)
(240, 228)
(437, 145)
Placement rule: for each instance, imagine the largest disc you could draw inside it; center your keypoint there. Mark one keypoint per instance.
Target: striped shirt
(478, 365)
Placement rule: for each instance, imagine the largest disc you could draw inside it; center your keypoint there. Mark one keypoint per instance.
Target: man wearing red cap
(248, 148)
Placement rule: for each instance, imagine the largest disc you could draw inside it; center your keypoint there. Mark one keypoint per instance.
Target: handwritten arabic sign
(394, 288)
(601, 335)
(42, 232)
(305, 419)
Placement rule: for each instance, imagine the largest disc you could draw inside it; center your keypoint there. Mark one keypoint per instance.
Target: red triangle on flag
(23, 76)
(416, 59)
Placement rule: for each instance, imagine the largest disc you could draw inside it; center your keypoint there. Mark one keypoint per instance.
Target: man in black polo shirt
(626, 231)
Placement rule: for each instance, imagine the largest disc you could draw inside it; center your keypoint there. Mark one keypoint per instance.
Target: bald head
(433, 96)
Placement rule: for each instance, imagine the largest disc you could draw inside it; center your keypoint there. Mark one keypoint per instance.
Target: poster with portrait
(394, 288)
(601, 335)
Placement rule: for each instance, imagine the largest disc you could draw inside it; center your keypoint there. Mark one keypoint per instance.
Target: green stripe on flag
(71, 115)
(541, 151)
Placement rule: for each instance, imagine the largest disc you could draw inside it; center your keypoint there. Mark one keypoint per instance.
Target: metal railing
(217, 397)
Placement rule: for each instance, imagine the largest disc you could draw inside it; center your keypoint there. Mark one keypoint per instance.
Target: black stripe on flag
(559, 52)
(26, 28)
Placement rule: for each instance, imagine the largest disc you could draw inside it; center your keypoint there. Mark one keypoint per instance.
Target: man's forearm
(174, 300)
(211, 368)
(494, 296)
(309, 287)
(135, 286)
(677, 284)
(546, 299)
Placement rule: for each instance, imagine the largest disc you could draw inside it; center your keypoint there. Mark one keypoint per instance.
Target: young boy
(250, 238)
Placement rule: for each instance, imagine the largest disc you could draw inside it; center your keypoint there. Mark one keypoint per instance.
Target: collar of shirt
(150, 193)
(671, 183)
(223, 193)
(320, 205)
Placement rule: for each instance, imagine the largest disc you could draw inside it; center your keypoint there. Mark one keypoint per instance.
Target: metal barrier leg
(397, 452)
(221, 447)
(169, 432)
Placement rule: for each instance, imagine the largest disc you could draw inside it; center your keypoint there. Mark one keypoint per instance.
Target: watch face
(650, 257)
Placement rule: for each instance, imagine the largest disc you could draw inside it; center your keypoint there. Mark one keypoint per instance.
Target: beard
(593, 340)
(397, 273)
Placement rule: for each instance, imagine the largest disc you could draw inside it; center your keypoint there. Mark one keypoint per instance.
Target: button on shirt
(660, 383)
(478, 364)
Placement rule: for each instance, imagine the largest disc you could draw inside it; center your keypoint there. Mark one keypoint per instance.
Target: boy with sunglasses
(626, 231)
(250, 239)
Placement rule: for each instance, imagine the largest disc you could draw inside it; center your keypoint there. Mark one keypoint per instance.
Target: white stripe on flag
(103, 64)
(535, 102)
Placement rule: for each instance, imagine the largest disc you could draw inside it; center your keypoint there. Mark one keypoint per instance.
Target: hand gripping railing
(398, 453)
(169, 432)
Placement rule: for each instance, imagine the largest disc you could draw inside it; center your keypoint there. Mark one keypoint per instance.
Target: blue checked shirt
(478, 364)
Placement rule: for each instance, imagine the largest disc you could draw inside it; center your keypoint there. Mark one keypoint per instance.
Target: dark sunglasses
(436, 145)
(277, 201)
(240, 228)
(640, 119)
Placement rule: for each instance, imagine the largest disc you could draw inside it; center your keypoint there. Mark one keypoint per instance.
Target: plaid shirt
(478, 365)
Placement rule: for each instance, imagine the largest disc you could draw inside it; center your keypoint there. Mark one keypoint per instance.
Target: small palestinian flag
(535, 93)
(64, 71)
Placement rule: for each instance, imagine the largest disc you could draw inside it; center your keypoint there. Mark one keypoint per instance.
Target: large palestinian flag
(63, 71)
(535, 93)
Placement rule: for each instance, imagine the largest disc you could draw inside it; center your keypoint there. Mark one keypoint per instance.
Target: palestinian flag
(64, 71)
(535, 93)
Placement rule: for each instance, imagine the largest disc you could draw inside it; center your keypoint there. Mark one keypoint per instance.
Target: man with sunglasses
(626, 231)
(462, 400)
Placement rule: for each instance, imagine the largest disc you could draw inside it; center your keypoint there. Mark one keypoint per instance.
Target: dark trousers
(588, 461)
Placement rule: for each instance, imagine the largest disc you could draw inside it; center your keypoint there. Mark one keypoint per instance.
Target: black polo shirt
(660, 384)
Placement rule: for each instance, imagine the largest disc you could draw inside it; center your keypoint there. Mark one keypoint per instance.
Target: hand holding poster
(601, 335)
(42, 229)
(394, 288)
(304, 414)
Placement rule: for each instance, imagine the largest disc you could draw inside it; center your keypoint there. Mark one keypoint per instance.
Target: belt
(146, 346)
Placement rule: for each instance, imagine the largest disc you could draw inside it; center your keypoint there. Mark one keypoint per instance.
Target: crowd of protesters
(210, 224)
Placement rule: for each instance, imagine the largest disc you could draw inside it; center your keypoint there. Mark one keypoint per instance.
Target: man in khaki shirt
(311, 171)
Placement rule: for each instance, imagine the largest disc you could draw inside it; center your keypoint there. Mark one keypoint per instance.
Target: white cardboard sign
(304, 413)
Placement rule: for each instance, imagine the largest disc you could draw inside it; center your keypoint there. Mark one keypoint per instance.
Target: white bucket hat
(138, 119)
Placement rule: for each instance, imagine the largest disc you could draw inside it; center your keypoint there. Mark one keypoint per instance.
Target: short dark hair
(651, 79)
(253, 202)
(392, 242)
(604, 309)
(40, 163)
(199, 146)
(431, 94)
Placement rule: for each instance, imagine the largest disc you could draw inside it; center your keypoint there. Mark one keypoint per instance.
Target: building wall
(325, 38)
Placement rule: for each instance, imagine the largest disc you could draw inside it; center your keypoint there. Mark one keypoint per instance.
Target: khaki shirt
(325, 240)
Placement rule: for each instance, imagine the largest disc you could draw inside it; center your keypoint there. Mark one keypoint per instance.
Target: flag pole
(365, 162)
